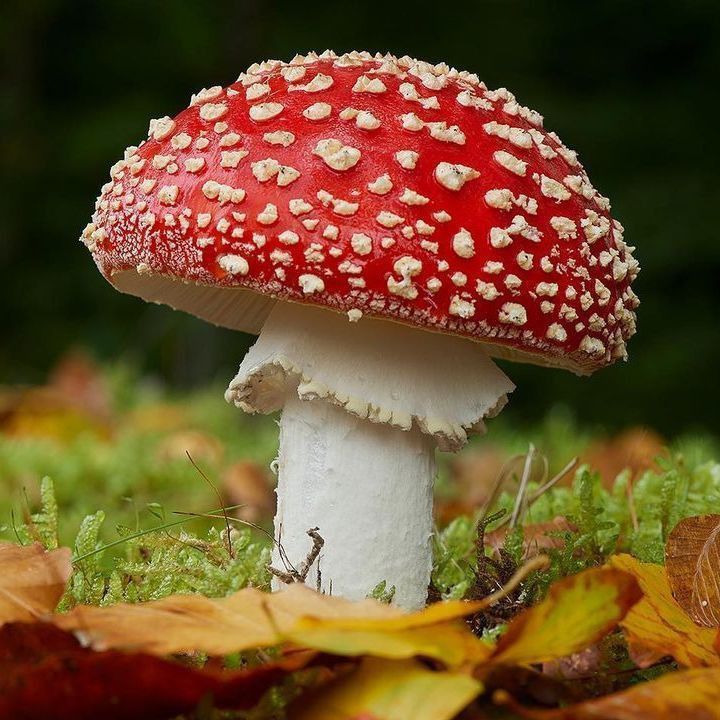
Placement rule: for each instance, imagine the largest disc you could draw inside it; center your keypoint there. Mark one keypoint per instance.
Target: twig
(524, 480)
(300, 575)
(543, 489)
(318, 543)
(499, 481)
(539, 562)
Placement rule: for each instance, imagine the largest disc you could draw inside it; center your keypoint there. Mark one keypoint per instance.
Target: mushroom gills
(364, 406)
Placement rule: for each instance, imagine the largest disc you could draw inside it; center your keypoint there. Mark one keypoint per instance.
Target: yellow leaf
(578, 611)
(251, 618)
(450, 642)
(657, 626)
(381, 689)
(676, 696)
(32, 580)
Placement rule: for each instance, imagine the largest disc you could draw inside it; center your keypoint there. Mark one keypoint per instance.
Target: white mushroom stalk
(364, 407)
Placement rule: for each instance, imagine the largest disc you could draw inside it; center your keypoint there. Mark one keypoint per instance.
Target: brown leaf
(245, 483)
(683, 695)
(78, 379)
(635, 449)
(32, 580)
(247, 619)
(536, 537)
(46, 673)
(657, 626)
(692, 561)
(75, 401)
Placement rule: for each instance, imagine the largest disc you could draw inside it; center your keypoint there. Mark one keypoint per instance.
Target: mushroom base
(368, 490)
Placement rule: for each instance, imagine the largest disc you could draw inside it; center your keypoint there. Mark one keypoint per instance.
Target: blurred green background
(627, 84)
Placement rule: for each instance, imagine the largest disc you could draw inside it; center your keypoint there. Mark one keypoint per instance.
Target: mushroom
(387, 226)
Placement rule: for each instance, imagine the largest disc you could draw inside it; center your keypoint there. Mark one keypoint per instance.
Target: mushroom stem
(367, 488)
(364, 406)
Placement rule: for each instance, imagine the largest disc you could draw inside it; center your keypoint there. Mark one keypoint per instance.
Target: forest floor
(157, 496)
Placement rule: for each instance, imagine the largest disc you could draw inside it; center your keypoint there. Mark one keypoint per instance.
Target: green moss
(111, 488)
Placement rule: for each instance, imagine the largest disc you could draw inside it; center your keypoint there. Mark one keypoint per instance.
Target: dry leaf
(684, 695)
(635, 449)
(692, 562)
(46, 673)
(43, 412)
(245, 483)
(77, 378)
(536, 537)
(32, 580)
(449, 642)
(75, 401)
(578, 611)
(657, 626)
(199, 445)
(251, 618)
(389, 690)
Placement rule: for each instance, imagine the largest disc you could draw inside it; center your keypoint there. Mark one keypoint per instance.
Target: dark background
(627, 84)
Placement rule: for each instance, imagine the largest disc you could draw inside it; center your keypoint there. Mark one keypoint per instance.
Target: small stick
(523, 485)
(499, 480)
(318, 543)
(300, 575)
(543, 488)
(318, 578)
(539, 562)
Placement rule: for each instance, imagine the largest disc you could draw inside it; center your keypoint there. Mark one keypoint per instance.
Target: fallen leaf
(635, 449)
(32, 580)
(530, 687)
(77, 377)
(46, 673)
(43, 412)
(380, 689)
(657, 626)
(199, 445)
(75, 401)
(536, 536)
(432, 632)
(578, 611)
(450, 642)
(251, 619)
(245, 483)
(684, 694)
(692, 562)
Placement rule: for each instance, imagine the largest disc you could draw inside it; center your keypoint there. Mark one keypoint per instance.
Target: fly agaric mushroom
(386, 226)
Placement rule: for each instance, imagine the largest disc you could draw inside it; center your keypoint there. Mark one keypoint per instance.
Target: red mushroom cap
(393, 187)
